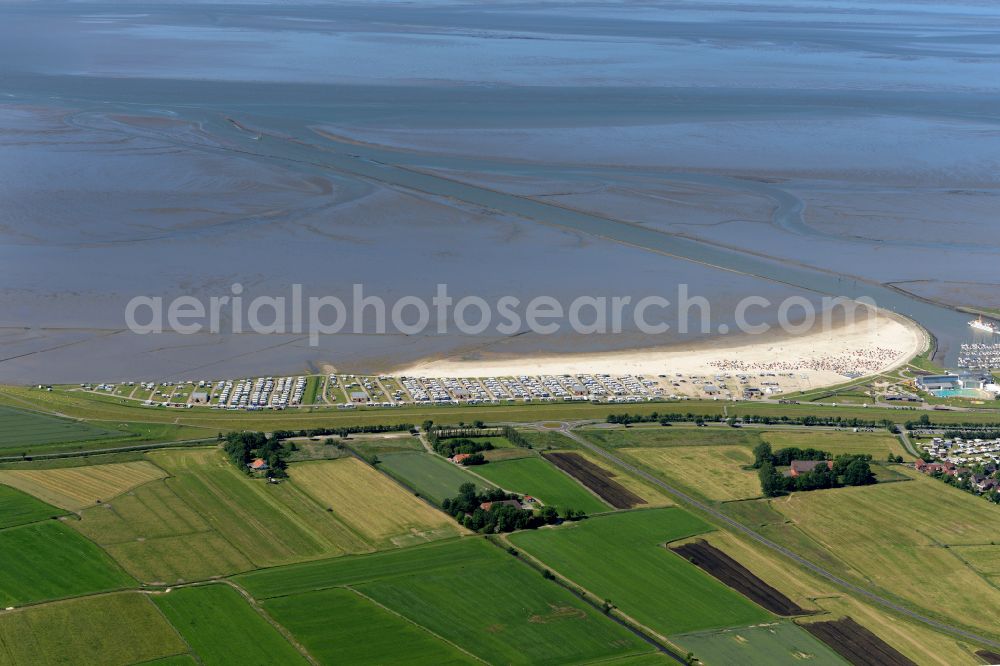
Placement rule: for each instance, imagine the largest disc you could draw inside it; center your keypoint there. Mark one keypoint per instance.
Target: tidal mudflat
(558, 149)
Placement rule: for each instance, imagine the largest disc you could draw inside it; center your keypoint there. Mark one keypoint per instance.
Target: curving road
(567, 429)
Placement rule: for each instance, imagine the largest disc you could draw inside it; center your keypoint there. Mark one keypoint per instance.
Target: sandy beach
(824, 357)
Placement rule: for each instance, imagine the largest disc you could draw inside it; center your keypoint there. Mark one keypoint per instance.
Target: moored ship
(981, 325)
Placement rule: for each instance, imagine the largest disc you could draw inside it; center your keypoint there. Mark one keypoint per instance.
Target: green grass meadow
(17, 508)
(111, 629)
(341, 571)
(222, 628)
(778, 644)
(429, 475)
(339, 626)
(28, 432)
(48, 560)
(470, 593)
(620, 557)
(540, 478)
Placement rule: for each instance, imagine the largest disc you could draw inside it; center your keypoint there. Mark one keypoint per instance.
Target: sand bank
(826, 357)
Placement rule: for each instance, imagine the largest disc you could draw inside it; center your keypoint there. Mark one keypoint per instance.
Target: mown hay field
(621, 557)
(209, 519)
(269, 523)
(112, 629)
(48, 560)
(371, 504)
(158, 538)
(340, 626)
(877, 444)
(898, 536)
(222, 628)
(983, 558)
(714, 472)
(671, 436)
(916, 640)
(539, 478)
(79, 487)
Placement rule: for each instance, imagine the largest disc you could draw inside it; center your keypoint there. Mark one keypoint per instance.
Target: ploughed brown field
(856, 644)
(597, 479)
(735, 575)
(988, 657)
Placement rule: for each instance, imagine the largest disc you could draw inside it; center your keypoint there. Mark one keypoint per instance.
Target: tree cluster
(242, 447)
(762, 453)
(847, 470)
(467, 510)
(451, 446)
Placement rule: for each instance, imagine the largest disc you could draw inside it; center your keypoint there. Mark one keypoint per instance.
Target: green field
(382, 445)
(84, 460)
(620, 557)
(23, 431)
(112, 629)
(17, 508)
(548, 439)
(311, 394)
(341, 571)
(207, 422)
(50, 561)
(339, 626)
(538, 477)
(222, 628)
(671, 436)
(779, 644)
(167, 424)
(429, 475)
(470, 593)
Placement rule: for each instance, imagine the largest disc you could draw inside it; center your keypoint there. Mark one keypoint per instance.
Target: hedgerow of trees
(667, 418)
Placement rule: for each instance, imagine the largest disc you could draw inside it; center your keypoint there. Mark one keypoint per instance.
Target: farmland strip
(597, 479)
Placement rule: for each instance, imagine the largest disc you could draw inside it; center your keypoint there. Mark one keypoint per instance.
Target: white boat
(981, 325)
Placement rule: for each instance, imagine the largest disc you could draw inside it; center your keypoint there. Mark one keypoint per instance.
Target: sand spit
(825, 357)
